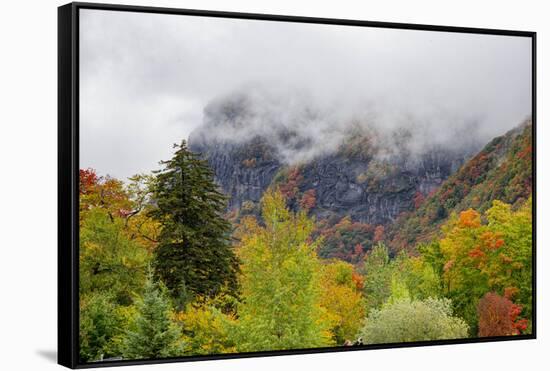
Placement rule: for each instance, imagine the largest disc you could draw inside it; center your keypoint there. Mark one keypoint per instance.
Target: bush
(408, 320)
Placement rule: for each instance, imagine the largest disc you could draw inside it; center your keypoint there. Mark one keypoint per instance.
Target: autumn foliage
(346, 240)
(88, 180)
(418, 199)
(501, 171)
(499, 316)
(342, 299)
(378, 234)
(159, 258)
(289, 188)
(488, 253)
(308, 200)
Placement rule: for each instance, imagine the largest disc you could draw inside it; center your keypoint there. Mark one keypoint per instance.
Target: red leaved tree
(498, 316)
(88, 180)
(378, 234)
(289, 189)
(418, 199)
(308, 200)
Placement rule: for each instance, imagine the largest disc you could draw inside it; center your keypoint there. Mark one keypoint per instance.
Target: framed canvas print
(240, 185)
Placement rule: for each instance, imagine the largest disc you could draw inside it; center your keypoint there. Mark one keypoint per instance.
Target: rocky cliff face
(241, 174)
(358, 177)
(370, 191)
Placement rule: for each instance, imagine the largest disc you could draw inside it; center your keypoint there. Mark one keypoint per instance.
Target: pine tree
(194, 249)
(101, 323)
(152, 333)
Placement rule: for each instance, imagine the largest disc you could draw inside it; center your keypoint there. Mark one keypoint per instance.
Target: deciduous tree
(280, 282)
(110, 262)
(342, 299)
(378, 270)
(409, 320)
(498, 316)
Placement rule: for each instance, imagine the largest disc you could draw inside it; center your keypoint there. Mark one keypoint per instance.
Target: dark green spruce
(194, 256)
(152, 333)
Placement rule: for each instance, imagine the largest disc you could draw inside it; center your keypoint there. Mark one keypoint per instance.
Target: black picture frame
(68, 168)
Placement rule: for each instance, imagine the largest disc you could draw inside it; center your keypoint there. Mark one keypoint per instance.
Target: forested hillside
(168, 269)
(253, 186)
(501, 171)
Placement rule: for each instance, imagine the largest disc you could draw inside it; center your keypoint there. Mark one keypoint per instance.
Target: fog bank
(147, 81)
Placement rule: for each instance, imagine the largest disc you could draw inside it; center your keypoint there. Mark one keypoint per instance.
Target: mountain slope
(501, 171)
(372, 174)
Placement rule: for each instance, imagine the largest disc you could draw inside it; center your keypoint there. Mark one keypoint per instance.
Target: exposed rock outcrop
(359, 177)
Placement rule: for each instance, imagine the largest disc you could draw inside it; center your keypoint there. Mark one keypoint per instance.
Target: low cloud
(149, 80)
(301, 126)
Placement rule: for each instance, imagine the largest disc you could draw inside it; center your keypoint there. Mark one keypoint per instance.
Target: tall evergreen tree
(153, 334)
(194, 256)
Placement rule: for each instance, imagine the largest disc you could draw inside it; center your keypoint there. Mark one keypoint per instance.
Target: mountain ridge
(360, 177)
(502, 170)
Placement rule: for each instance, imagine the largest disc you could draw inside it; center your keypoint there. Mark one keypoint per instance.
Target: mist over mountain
(362, 159)
(300, 126)
(341, 185)
(359, 169)
(152, 89)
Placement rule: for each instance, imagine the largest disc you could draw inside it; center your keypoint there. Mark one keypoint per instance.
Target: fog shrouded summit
(300, 128)
(149, 80)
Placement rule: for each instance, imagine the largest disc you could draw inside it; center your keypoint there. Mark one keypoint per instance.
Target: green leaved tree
(110, 262)
(378, 270)
(194, 256)
(280, 280)
(406, 320)
(101, 324)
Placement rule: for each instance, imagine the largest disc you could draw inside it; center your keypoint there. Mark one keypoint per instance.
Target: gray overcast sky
(145, 78)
